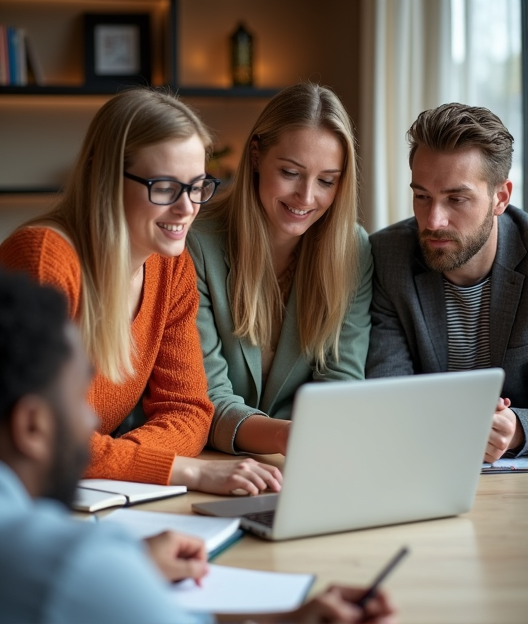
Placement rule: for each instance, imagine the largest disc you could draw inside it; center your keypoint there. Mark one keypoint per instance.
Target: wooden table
(471, 569)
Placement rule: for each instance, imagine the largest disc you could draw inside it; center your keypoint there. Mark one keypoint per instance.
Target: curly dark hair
(454, 126)
(33, 342)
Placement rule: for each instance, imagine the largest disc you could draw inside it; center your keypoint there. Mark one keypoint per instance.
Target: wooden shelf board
(48, 190)
(234, 92)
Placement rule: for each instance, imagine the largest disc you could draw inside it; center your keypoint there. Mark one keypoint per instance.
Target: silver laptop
(376, 452)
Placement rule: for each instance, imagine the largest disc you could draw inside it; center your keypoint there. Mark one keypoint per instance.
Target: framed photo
(117, 49)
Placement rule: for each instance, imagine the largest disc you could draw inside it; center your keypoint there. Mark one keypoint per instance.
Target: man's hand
(506, 432)
(178, 556)
(335, 605)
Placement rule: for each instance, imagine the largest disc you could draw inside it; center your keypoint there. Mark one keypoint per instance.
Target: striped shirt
(468, 328)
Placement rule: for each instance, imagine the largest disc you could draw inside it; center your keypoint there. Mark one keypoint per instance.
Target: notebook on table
(96, 494)
(217, 533)
(505, 465)
(376, 452)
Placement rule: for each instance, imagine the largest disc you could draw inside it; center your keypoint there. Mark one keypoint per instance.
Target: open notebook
(96, 494)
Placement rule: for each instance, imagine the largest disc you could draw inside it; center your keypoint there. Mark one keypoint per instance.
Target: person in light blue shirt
(58, 570)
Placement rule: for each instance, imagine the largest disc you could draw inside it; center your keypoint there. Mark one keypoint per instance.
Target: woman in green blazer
(284, 271)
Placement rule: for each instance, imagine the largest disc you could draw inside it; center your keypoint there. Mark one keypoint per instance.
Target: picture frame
(117, 49)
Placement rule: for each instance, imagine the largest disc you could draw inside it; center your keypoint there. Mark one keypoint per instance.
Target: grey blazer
(233, 366)
(409, 325)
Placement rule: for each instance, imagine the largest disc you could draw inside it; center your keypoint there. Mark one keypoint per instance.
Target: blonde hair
(327, 268)
(91, 212)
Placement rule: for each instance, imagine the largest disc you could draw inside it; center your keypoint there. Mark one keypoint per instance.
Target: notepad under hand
(515, 464)
(96, 494)
(217, 533)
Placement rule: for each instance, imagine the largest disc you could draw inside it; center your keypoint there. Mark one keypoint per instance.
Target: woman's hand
(226, 477)
(178, 556)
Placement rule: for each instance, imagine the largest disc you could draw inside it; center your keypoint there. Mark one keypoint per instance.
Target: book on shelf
(12, 55)
(19, 61)
(4, 56)
(34, 66)
(217, 533)
(96, 494)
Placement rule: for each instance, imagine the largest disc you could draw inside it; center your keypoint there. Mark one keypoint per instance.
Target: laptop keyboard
(264, 517)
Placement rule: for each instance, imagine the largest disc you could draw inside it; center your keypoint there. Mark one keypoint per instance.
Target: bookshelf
(63, 105)
(42, 126)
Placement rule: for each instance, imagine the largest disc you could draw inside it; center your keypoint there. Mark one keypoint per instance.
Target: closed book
(96, 494)
(95, 500)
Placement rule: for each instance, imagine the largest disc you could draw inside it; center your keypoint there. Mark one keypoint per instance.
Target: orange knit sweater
(168, 364)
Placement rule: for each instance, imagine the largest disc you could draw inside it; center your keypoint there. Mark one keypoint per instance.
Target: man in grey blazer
(450, 288)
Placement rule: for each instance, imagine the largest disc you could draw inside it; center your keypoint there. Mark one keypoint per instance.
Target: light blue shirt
(54, 569)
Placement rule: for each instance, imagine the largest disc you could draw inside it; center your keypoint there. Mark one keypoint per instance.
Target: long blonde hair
(92, 214)
(327, 269)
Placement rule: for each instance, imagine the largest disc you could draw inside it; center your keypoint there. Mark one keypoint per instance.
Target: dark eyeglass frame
(185, 188)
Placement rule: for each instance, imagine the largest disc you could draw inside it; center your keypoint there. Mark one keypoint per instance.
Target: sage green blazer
(233, 366)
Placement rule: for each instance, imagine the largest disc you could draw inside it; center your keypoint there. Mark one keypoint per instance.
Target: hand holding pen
(349, 605)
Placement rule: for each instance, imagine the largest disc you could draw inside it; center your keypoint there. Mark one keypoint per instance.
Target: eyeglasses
(165, 191)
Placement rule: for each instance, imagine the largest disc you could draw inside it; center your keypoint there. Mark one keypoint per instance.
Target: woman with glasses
(284, 271)
(115, 246)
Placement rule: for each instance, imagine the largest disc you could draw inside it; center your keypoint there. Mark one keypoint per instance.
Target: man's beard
(443, 260)
(69, 461)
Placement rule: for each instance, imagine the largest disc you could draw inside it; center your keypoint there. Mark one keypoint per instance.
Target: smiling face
(298, 179)
(162, 229)
(455, 210)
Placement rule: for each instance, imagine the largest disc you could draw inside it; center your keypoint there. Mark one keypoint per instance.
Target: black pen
(381, 576)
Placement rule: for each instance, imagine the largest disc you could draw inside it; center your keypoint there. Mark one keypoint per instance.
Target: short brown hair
(454, 126)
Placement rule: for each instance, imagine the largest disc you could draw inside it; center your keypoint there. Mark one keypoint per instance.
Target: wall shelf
(48, 190)
(235, 92)
(42, 126)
